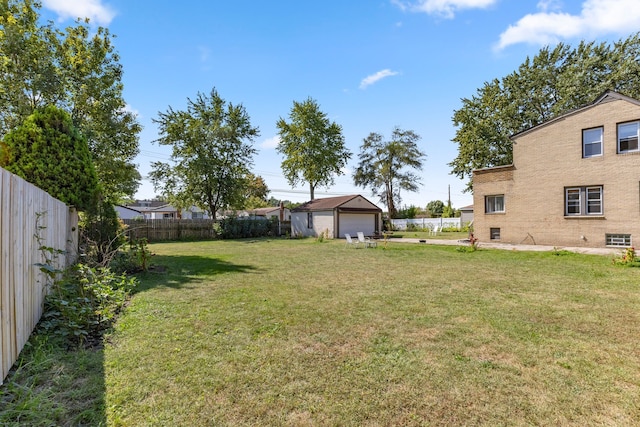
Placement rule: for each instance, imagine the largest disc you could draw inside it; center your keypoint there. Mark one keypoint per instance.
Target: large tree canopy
(47, 150)
(313, 146)
(386, 166)
(212, 152)
(78, 70)
(556, 81)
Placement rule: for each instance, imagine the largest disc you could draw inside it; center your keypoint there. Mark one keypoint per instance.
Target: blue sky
(370, 64)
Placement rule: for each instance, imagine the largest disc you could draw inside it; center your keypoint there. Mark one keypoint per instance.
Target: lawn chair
(434, 231)
(350, 241)
(367, 242)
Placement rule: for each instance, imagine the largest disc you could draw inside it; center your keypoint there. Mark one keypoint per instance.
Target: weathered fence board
(155, 230)
(29, 218)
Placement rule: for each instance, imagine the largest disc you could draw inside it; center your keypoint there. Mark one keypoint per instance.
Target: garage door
(352, 223)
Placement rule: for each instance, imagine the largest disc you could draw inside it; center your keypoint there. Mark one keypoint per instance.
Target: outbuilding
(336, 216)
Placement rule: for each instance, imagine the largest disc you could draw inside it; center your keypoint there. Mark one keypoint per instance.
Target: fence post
(72, 236)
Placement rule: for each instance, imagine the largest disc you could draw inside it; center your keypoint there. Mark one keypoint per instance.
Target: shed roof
(264, 211)
(328, 203)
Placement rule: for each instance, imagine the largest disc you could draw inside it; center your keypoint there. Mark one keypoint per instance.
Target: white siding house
(125, 212)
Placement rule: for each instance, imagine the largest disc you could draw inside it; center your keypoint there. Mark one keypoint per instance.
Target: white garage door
(352, 223)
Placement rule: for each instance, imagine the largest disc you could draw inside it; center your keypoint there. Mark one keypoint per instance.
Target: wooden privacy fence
(156, 230)
(29, 219)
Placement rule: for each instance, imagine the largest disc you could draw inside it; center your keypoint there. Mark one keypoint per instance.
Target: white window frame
(591, 138)
(598, 201)
(491, 206)
(629, 137)
(584, 204)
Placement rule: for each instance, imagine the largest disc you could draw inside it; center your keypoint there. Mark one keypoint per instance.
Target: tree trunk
(312, 190)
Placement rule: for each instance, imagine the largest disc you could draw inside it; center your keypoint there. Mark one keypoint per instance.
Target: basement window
(619, 240)
(494, 233)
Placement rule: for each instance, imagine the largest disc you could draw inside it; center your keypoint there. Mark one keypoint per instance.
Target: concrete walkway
(506, 246)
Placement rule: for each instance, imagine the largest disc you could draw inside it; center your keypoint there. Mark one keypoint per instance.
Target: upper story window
(583, 201)
(592, 142)
(494, 204)
(628, 137)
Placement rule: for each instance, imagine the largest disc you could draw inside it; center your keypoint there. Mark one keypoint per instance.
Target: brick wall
(548, 159)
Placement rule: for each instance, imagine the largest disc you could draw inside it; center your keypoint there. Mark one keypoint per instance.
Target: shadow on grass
(177, 271)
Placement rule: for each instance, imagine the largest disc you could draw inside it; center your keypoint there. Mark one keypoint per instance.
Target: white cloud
(129, 109)
(92, 9)
(597, 17)
(444, 8)
(271, 142)
(548, 5)
(369, 80)
(205, 53)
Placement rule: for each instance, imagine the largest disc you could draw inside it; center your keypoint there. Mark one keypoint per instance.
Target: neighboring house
(125, 212)
(279, 212)
(336, 216)
(466, 214)
(161, 210)
(574, 181)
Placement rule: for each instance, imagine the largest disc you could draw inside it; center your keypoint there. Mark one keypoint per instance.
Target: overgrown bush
(102, 234)
(48, 151)
(136, 257)
(84, 302)
(472, 247)
(628, 258)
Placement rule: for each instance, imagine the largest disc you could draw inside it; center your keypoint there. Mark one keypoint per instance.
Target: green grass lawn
(442, 235)
(296, 332)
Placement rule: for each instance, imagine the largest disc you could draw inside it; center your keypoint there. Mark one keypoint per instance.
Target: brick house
(574, 181)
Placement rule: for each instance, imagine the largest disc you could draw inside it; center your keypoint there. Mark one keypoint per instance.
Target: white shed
(337, 216)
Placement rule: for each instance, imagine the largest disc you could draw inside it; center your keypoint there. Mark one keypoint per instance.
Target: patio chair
(350, 241)
(435, 230)
(367, 242)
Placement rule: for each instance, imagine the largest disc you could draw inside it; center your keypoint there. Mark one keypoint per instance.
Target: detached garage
(336, 216)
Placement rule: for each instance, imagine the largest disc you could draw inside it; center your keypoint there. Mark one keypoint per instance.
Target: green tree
(386, 166)
(449, 212)
(435, 208)
(212, 152)
(313, 146)
(49, 152)
(408, 212)
(78, 70)
(255, 193)
(554, 82)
